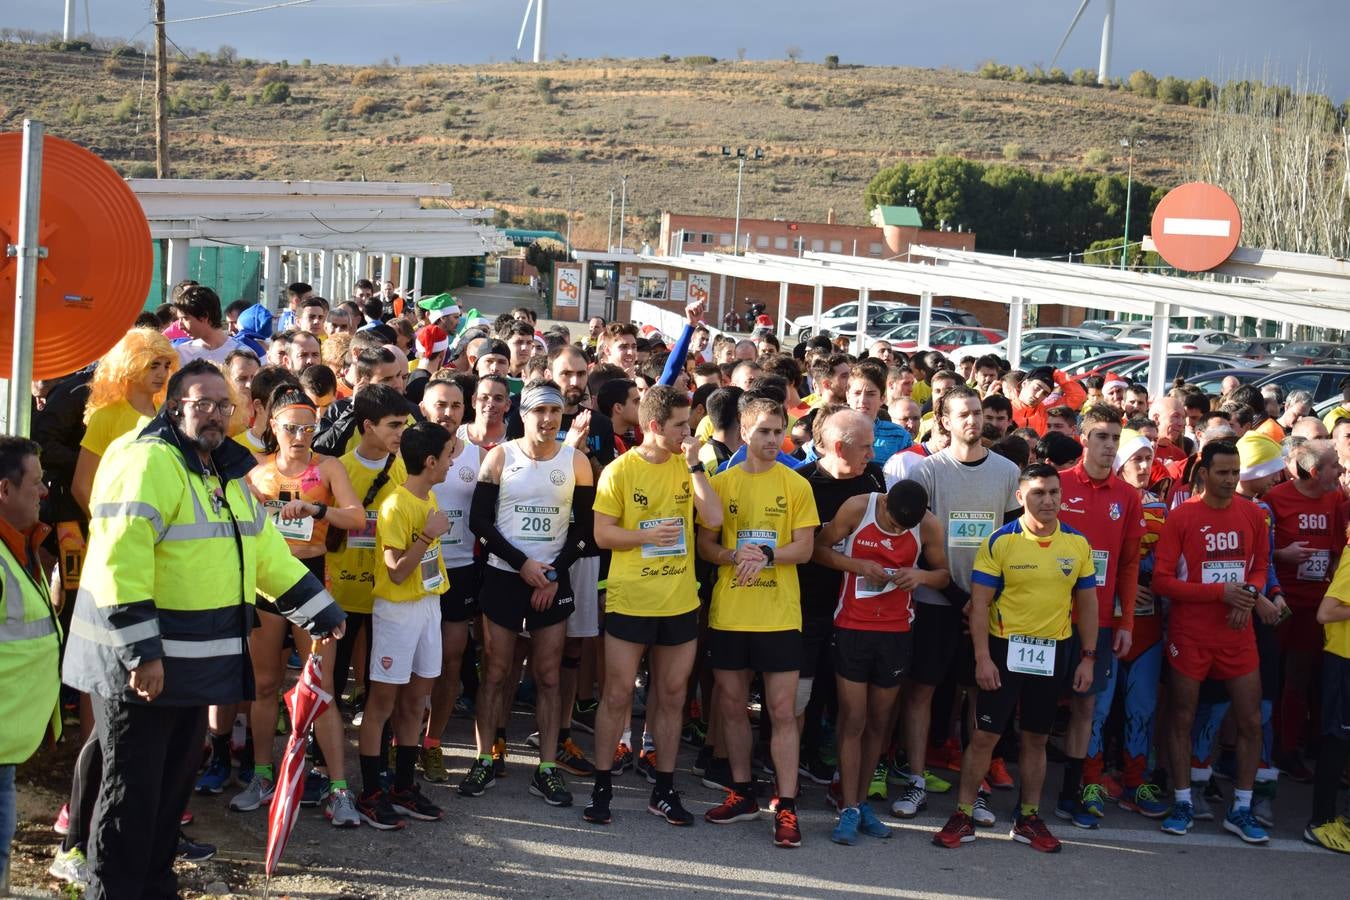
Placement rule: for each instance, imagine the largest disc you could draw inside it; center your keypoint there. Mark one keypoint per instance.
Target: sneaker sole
(577, 770)
(1068, 817)
(430, 779)
(964, 839)
(743, 817)
(479, 793)
(993, 820)
(814, 779)
(1026, 840)
(843, 842)
(1230, 827)
(382, 826)
(414, 814)
(1143, 812)
(787, 845)
(587, 816)
(676, 822)
(540, 794)
(583, 727)
(714, 785)
(1310, 838)
(649, 774)
(243, 809)
(1179, 833)
(903, 815)
(336, 824)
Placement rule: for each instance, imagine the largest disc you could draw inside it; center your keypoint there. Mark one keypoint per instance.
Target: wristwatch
(767, 550)
(321, 511)
(698, 467)
(1089, 654)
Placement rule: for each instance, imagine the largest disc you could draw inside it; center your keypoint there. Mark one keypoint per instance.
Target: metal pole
(623, 207)
(1129, 188)
(1014, 345)
(1157, 351)
(571, 180)
(609, 238)
(740, 172)
(25, 294)
(925, 319)
(782, 309)
(161, 95)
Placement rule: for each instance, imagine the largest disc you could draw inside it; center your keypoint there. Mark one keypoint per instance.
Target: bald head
(847, 425)
(1310, 427)
(1169, 414)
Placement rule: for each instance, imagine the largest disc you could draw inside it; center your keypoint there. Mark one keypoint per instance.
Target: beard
(208, 441)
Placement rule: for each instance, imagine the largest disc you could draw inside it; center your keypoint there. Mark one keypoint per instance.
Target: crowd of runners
(881, 578)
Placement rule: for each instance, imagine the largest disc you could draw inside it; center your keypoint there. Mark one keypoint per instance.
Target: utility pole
(741, 154)
(1129, 180)
(571, 182)
(623, 206)
(609, 238)
(161, 94)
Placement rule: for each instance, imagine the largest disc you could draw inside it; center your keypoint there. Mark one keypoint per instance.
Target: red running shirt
(1108, 513)
(863, 604)
(1321, 524)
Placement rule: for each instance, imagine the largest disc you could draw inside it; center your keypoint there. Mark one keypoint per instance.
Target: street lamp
(1129, 189)
(741, 154)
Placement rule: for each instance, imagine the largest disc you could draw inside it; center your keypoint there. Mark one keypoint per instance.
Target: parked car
(1251, 348)
(1129, 333)
(906, 337)
(1212, 382)
(1060, 352)
(1320, 381)
(1202, 341)
(1305, 352)
(1029, 335)
(887, 320)
(838, 316)
(1184, 365)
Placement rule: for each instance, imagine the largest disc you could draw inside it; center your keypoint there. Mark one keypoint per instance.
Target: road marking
(1197, 227)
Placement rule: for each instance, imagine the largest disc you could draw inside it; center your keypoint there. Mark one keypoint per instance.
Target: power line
(237, 12)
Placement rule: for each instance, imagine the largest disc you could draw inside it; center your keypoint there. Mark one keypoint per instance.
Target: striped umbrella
(306, 702)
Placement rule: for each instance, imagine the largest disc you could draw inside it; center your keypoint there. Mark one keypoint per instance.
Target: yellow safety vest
(30, 646)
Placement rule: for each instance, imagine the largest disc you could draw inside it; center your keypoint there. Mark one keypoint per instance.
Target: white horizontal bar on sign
(1197, 227)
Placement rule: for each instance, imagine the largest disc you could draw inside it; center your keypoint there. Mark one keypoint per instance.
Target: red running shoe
(1033, 830)
(786, 832)
(998, 774)
(735, 808)
(960, 829)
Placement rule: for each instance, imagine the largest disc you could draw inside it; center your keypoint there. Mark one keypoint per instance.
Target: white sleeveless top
(534, 505)
(454, 496)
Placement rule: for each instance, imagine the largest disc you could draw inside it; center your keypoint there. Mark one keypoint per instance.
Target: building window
(836, 246)
(688, 236)
(762, 241)
(817, 245)
(798, 243)
(874, 249)
(726, 240)
(780, 243)
(652, 284)
(707, 238)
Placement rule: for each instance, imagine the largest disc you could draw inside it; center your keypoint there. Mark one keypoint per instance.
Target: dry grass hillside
(549, 137)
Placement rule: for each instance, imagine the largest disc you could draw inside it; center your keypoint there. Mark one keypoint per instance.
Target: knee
(1030, 739)
(782, 710)
(546, 680)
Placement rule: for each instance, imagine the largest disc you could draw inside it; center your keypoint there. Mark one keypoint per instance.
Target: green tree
(1173, 90)
(1142, 83)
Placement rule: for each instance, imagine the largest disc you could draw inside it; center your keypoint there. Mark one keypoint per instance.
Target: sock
(665, 782)
(1027, 809)
(1267, 775)
(627, 737)
(501, 734)
(604, 780)
(1073, 779)
(338, 784)
(220, 747)
(370, 773)
(405, 767)
(564, 734)
(485, 758)
(430, 743)
(787, 803)
(743, 788)
(547, 766)
(1201, 776)
(1242, 799)
(264, 772)
(1182, 795)
(967, 808)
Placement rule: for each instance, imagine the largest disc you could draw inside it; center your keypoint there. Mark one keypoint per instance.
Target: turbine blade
(1072, 25)
(524, 22)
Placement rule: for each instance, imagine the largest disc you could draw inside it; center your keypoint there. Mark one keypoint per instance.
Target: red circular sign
(1196, 226)
(93, 282)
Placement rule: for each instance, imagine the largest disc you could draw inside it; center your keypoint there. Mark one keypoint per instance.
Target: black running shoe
(718, 774)
(583, 715)
(549, 784)
(669, 807)
(413, 804)
(813, 769)
(479, 779)
(376, 811)
(700, 766)
(194, 851)
(597, 812)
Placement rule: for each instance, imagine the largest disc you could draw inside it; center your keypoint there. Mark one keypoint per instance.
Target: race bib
(455, 536)
(866, 587)
(969, 529)
(1223, 571)
(536, 522)
(1315, 567)
(1101, 561)
(291, 529)
(432, 580)
(653, 550)
(364, 539)
(756, 536)
(1031, 655)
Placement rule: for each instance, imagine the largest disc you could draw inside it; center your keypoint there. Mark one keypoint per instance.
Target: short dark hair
(752, 406)
(241, 353)
(771, 386)
(1058, 448)
(611, 393)
(1097, 412)
(318, 380)
(314, 300)
(299, 288)
(723, 406)
(1014, 448)
(1216, 448)
(1038, 470)
(373, 309)
(870, 374)
(200, 302)
(1065, 413)
(420, 441)
(660, 403)
(374, 402)
(1139, 423)
(194, 369)
(996, 402)
(523, 329)
(601, 375)
(364, 284)
(13, 451)
(701, 395)
(236, 308)
(707, 369)
(989, 361)
(367, 361)
(906, 502)
(268, 379)
(959, 392)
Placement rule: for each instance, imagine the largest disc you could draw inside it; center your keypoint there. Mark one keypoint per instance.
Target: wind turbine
(1108, 26)
(540, 15)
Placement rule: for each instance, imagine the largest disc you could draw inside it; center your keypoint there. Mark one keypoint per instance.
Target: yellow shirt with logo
(1337, 637)
(650, 580)
(1033, 579)
(351, 570)
(401, 519)
(763, 508)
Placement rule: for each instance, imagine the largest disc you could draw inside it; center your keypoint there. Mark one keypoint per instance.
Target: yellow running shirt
(351, 570)
(1033, 579)
(761, 509)
(109, 423)
(401, 519)
(1337, 639)
(649, 580)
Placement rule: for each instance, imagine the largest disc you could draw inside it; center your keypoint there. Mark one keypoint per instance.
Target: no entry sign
(1196, 226)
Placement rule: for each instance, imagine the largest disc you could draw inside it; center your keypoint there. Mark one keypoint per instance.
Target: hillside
(512, 135)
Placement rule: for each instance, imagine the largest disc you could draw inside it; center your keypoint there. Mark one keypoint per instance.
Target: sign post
(25, 293)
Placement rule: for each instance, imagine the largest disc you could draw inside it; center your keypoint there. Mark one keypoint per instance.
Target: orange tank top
(276, 490)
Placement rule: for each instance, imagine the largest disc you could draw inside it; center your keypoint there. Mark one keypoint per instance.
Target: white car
(843, 316)
(1206, 340)
(1028, 334)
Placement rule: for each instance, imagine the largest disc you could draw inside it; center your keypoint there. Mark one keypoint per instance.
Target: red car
(945, 338)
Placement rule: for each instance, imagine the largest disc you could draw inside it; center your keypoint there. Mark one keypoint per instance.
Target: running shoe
(258, 792)
(846, 831)
(1242, 823)
(1146, 799)
(597, 811)
(1200, 802)
(340, 809)
(812, 768)
(646, 765)
(62, 824)
(877, 789)
(377, 812)
(1112, 787)
(185, 819)
(317, 787)
(834, 795)
(980, 811)
(194, 851)
(70, 866)
(701, 760)
(433, 765)
(870, 824)
(948, 756)
(1094, 799)
(480, 778)
(786, 832)
(1074, 811)
(583, 715)
(216, 776)
(762, 760)
(735, 808)
(548, 784)
(413, 804)
(694, 733)
(998, 775)
(669, 807)
(1180, 819)
(571, 760)
(960, 829)
(935, 784)
(1293, 767)
(1331, 836)
(499, 757)
(1263, 803)
(1033, 830)
(718, 774)
(623, 759)
(913, 800)
(293, 662)
(533, 740)
(897, 770)
(464, 708)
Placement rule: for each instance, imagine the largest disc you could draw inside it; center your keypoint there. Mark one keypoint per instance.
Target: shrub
(270, 73)
(1173, 90)
(125, 109)
(226, 55)
(276, 92)
(363, 77)
(365, 105)
(76, 112)
(532, 191)
(124, 50)
(1084, 78)
(700, 60)
(1142, 83)
(176, 71)
(112, 65)
(492, 101)
(222, 92)
(1097, 156)
(1013, 151)
(142, 170)
(832, 61)
(428, 81)
(414, 105)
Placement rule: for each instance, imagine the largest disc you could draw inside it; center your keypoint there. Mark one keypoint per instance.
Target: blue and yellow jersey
(1033, 579)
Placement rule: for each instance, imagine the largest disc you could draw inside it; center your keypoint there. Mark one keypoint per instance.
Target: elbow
(941, 579)
(712, 521)
(603, 539)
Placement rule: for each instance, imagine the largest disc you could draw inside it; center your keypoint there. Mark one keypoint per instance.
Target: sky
(1208, 38)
